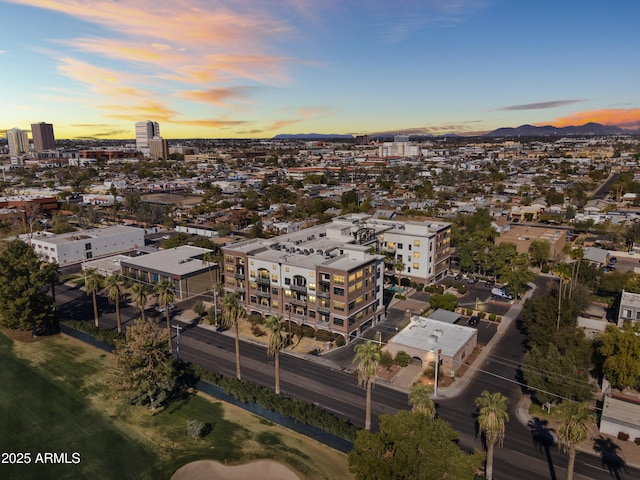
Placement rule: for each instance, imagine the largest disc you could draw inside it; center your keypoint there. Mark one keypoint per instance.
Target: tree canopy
(24, 283)
(410, 445)
(620, 348)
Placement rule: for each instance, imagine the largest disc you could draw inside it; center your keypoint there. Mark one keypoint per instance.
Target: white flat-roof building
(76, 247)
(423, 337)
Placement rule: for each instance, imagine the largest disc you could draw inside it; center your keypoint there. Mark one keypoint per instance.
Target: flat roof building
(43, 139)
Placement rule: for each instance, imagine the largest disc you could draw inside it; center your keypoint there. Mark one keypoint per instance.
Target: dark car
(489, 283)
(613, 260)
(473, 321)
(472, 280)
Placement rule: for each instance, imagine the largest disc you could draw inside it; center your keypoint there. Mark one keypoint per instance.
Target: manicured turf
(42, 415)
(57, 396)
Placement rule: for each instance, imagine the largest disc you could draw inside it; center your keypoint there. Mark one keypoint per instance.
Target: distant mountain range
(549, 130)
(590, 128)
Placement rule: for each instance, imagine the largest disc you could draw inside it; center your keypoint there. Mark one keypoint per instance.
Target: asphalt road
(321, 381)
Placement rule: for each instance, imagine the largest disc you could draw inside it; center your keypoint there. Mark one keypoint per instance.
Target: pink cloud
(621, 117)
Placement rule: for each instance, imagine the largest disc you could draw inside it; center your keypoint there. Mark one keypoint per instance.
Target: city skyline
(256, 69)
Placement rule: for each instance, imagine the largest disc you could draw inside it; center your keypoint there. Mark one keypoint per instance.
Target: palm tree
(139, 294)
(492, 420)
(420, 400)
(232, 312)
(573, 430)
(92, 285)
(368, 357)
(114, 286)
(276, 342)
(166, 294)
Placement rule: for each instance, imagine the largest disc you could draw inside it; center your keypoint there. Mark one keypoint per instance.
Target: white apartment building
(331, 276)
(76, 247)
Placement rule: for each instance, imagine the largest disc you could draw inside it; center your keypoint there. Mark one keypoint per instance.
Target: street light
(438, 352)
(178, 328)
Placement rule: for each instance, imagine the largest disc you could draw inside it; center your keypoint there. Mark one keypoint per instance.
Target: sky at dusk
(257, 68)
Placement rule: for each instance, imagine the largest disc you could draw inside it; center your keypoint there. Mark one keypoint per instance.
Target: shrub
(196, 429)
(199, 308)
(386, 360)
(257, 331)
(468, 312)
(340, 341)
(430, 289)
(637, 441)
(492, 317)
(545, 268)
(420, 287)
(462, 289)
(106, 336)
(307, 331)
(623, 436)
(400, 296)
(324, 335)
(481, 315)
(402, 359)
(255, 318)
(498, 318)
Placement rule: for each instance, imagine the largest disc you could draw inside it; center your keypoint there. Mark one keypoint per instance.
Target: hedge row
(297, 409)
(106, 336)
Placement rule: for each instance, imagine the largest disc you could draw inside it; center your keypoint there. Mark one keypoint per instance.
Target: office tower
(18, 142)
(158, 148)
(43, 139)
(145, 131)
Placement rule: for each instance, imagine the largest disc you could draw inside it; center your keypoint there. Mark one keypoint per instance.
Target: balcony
(323, 294)
(298, 288)
(323, 309)
(263, 281)
(239, 276)
(297, 302)
(262, 294)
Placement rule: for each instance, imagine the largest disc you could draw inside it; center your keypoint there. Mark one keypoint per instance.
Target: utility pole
(435, 383)
(178, 329)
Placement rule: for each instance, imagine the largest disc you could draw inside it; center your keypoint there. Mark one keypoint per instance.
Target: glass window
(416, 243)
(339, 279)
(338, 306)
(416, 254)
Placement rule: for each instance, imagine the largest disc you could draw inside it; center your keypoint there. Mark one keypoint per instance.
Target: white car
(160, 308)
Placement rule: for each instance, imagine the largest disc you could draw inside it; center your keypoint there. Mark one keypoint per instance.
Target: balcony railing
(239, 276)
(262, 294)
(298, 302)
(323, 293)
(263, 280)
(298, 288)
(323, 309)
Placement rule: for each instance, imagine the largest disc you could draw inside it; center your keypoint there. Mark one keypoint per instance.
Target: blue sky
(256, 68)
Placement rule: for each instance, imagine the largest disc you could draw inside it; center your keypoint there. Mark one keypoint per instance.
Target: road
(326, 383)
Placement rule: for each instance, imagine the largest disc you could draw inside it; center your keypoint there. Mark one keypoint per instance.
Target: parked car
(489, 283)
(473, 321)
(501, 293)
(472, 280)
(613, 260)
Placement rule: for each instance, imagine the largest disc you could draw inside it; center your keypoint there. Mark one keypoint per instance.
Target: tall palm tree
(232, 312)
(114, 285)
(139, 295)
(368, 357)
(573, 430)
(420, 400)
(165, 291)
(492, 420)
(276, 342)
(92, 285)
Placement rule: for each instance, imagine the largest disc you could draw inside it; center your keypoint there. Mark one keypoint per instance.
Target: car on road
(501, 293)
(160, 308)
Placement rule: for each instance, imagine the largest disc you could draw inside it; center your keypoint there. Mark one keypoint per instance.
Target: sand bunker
(211, 470)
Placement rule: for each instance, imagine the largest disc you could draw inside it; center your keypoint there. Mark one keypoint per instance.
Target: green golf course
(58, 405)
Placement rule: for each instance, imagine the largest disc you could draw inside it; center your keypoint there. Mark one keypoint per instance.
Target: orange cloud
(621, 117)
(218, 96)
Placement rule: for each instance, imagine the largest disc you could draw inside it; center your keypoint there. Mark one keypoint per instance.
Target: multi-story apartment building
(330, 276)
(18, 142)
(145, 131)
(43, 138)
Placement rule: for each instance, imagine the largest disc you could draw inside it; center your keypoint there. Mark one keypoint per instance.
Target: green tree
(492, 420)
(114, 286)
(232, 313)
(368, 357)
(620, 348)
(24, 303)
(146, 368)
(139, 296)
(420, 400)
(410, 445)
(92, 281)
(165, 290)
(552, 374)
(447, 301)
(539, 252)
(574, 429)
(276, 341)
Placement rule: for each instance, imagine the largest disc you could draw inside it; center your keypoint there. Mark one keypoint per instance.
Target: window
(352, 278)
(311, 298)
(638, 315)
(287, 281)
(391, 244)
(416, 254)
(338, 306)
(400, 245)
(626, 313)
(275, 303)
(338, 291)
(274, 278)
(312, 286)
(416, 243)
(339, 279)
(416, 266)
(252, 273)
(228, 258)
(338, 322)
(229, 268)
(87, 246)
(312, 314)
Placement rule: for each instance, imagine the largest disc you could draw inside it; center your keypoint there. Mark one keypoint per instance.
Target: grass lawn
(56, 397)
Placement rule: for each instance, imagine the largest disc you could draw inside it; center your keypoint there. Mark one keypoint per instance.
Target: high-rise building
(18, 142)
(43, 139)
(158, 148)
(145, 131)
